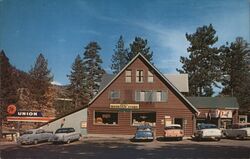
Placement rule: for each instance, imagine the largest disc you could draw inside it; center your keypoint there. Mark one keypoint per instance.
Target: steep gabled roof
(163, 78)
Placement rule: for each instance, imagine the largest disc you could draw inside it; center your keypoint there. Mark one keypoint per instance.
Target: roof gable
(159, 74)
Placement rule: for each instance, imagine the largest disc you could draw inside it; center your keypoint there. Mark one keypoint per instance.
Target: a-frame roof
(163, 78)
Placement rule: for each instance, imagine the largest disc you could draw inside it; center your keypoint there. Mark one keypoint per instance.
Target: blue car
(144, 133)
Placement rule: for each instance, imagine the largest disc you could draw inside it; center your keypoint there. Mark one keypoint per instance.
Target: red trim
(30, 119)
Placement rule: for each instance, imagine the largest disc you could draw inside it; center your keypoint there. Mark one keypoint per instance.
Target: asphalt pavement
(120, 148)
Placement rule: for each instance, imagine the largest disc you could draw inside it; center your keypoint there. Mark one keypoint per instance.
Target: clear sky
(60, 29)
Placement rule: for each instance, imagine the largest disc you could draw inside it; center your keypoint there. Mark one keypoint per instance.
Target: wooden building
(139, 94)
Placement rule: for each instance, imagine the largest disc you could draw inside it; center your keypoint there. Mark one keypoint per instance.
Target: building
(140, 94)
(221, 111)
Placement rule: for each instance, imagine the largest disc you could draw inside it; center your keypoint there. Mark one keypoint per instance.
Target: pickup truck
(173, 131)
(65, 135)
(238, 131)
(34, 136)
(207, 131)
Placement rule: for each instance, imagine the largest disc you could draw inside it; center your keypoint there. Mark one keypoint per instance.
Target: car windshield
(207, 126)
(28, 132)
(144, 134)
(62, 131)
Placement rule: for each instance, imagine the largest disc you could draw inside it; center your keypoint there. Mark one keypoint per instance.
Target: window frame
(114, 91)
(127, 76)
(150, 75)
(111, 112)
(140, 76)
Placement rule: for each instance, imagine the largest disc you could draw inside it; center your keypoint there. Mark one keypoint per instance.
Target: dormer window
(139, 76)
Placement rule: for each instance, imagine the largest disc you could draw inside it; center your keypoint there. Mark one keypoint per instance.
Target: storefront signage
(226, 114)
(28, 114)
(124, 106)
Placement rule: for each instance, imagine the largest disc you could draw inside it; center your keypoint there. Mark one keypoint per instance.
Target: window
(114, 94)
(150, 77)
(139, 118)
(150, 96)
(128, 76)
(139, 76)
(106, 118)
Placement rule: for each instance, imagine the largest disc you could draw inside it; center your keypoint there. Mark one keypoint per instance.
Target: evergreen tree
(202, 65)
(78, 85)
(119, 58)
(235, 71)
(41, 80)
(92, 63)
(140, 45)
(7, 87)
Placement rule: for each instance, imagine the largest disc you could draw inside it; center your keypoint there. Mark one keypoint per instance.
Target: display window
(106, 118)
(139, 118)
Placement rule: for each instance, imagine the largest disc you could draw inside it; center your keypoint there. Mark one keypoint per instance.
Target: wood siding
(173, 107)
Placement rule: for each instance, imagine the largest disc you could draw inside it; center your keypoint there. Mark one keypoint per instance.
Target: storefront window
(139, 118)
(107, 118)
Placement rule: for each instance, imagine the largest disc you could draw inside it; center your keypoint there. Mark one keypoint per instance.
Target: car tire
(35, 142)
(180, 139)
(218, 139)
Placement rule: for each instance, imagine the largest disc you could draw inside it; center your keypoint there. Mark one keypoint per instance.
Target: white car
(207, 131)
(238, 130)
(65, 135)
(33, 136)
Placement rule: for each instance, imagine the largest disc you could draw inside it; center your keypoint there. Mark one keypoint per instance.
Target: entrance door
(179, 121)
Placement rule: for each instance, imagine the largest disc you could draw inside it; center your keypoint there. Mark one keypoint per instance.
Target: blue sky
(60, 29)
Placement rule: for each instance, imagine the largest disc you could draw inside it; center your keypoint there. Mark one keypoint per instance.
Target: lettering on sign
(29, 114)
(124, 106)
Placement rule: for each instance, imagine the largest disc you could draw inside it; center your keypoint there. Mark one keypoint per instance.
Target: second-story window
(128, 76)
(150, 77)
(114, 94)
(139, 76)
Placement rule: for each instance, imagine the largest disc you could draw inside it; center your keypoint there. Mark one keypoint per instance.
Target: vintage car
(34, 136)
(237, 131)
(173, 131)
(207, 131)
(144, 133)
(65, 135)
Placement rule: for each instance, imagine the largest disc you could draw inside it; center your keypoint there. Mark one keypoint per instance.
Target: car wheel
(35, 142)
(218, 139)
(180, 138)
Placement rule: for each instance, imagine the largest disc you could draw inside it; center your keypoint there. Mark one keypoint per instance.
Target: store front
(138, 95)
(220, 111)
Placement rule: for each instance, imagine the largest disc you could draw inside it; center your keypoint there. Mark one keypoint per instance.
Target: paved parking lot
(101, 148)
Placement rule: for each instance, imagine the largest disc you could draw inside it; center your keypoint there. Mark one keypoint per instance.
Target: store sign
(28, 114)
(124, 106)
(226, 114)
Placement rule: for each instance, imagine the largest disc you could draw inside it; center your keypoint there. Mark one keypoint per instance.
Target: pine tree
(119, 58)
(140, 45)
(78, 86)
(41, 80)
(202, 65)
(92, 63)
(235, 79)
(7, 87)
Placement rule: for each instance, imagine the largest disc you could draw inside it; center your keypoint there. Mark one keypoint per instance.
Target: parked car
(65, 135)
(238, 130)
(144, 133)
(34, 136)
(173, 131)
(207, 131)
